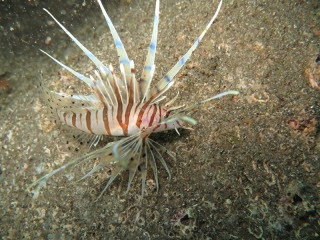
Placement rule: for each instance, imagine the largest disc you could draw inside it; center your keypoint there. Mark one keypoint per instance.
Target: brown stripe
(144, 138)
(99, 94)
(120, 104)
(139, 120)
(160, 112)
(105, 120)
(74, 118)
(136, 109)
(154, 129)
(130, 105)
(65, 117)
(88, 121)
(179, 124)
(153, 114)
(131, 91)
(159, 125)
(119, 116)
(127, 118)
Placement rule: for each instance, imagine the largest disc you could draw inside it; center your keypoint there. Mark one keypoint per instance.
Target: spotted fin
(63, 101)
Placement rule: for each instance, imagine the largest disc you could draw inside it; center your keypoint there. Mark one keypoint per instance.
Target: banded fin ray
(75, 73)
(149, 66)
(187, 109)
(171, 74)
(103, 153)
(123, 56)
(180, 114)
(89, 54)
(98, 86)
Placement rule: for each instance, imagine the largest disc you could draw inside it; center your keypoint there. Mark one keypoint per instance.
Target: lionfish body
(123, 106)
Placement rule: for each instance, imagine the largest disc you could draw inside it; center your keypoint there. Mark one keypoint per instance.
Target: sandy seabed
(249, 170)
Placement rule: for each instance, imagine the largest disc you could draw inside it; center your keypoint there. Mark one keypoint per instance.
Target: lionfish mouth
(122, 107)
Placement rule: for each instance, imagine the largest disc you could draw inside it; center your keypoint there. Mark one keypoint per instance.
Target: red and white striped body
(123, 106)
(118, 121)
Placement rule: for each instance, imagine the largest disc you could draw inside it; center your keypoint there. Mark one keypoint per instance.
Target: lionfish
(123, 106)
